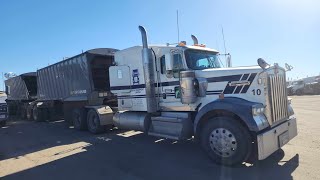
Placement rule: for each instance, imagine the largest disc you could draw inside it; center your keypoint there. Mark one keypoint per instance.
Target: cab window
(177, 62)
(177, 65)
(163, 64)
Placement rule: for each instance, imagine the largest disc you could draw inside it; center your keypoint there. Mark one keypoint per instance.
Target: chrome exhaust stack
(149, 75)
(195, 39)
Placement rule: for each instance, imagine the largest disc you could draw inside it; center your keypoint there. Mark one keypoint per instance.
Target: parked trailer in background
(21, 91)
(3, 109)
(76, 87)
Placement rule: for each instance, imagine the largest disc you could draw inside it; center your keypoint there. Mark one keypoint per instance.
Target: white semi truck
(181, 91)
(176, 92)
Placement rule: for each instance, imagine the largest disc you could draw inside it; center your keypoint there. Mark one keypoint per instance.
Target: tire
(38, 114)
(23, 112)
(3, 123)
(94, 122)
(29, 113)
(226, 141)
(79, 119)
(299, 92)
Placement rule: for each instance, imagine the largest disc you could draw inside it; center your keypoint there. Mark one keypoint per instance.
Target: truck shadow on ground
(125, 155)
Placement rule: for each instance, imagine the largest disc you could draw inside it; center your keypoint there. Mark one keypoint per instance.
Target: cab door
(170, 81)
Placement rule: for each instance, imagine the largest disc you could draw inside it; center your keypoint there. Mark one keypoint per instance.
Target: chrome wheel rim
(223, 142)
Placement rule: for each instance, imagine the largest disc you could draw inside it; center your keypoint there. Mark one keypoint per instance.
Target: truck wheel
(3, 123)
(94, 122)
(226, 141)
(38, 114)
(79, 119)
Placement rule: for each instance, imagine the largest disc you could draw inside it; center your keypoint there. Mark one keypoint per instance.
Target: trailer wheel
(299, 92)
(38, 114)
(226, 141)
(94, 122)
(79, 119)
(23, 112)
(29, 113)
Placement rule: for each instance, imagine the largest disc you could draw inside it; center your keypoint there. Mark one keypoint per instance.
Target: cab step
(171, 125)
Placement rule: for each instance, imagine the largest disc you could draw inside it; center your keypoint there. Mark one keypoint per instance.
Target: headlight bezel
(258, 109)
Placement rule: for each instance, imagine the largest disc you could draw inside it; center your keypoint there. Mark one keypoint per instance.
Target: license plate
(283, 138)
(2, 116)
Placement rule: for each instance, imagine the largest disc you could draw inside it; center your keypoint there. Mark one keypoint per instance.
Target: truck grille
(278, 97)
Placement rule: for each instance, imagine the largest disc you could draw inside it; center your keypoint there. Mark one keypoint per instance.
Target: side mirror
(169, 62)
(7, 90)
(229, 62)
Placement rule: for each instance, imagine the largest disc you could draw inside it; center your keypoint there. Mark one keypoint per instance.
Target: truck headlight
(289, 100)
(257, 109)
(290, 110)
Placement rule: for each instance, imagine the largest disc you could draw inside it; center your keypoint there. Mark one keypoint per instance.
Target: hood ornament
(263, 64)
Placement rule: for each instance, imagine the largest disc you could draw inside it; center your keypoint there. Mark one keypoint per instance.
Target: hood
(229, 74)
(222, 79)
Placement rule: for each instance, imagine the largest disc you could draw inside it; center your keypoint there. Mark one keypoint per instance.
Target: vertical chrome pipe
(195, 39)
(149, 73)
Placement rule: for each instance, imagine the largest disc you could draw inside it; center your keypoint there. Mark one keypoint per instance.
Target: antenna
(227, 59)
(224, 44)
(178, 26)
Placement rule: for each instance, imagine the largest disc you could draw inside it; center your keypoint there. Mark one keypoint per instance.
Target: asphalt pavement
(52, 150)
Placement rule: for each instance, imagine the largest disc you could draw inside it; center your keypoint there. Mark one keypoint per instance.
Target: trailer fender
(105, 114)
(240, 107)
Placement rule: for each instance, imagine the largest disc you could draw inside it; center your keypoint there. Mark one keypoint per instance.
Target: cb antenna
(227, 60)
(178, 31)
(224, 42)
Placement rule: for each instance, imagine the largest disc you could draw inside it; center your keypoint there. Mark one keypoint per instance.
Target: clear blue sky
(35, 33)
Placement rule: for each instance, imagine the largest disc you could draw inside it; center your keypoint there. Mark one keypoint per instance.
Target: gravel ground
(30, 150)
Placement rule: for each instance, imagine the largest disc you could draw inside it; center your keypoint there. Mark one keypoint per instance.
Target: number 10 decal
(256, 92)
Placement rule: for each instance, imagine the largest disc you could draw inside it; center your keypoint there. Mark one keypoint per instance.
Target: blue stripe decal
(246, 87)
(237, 91)
(244, 77)
(177, 83)
(228, 89)
(128, 87)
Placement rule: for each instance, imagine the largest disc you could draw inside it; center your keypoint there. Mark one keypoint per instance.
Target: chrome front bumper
(273, 139)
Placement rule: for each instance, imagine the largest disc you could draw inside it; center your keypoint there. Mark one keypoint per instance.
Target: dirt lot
(30, 150)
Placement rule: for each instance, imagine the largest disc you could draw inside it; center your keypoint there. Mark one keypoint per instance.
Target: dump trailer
(76, 87)
(21, 91)
(176, 92)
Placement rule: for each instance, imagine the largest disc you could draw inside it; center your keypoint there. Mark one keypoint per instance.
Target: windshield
(198, 60)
